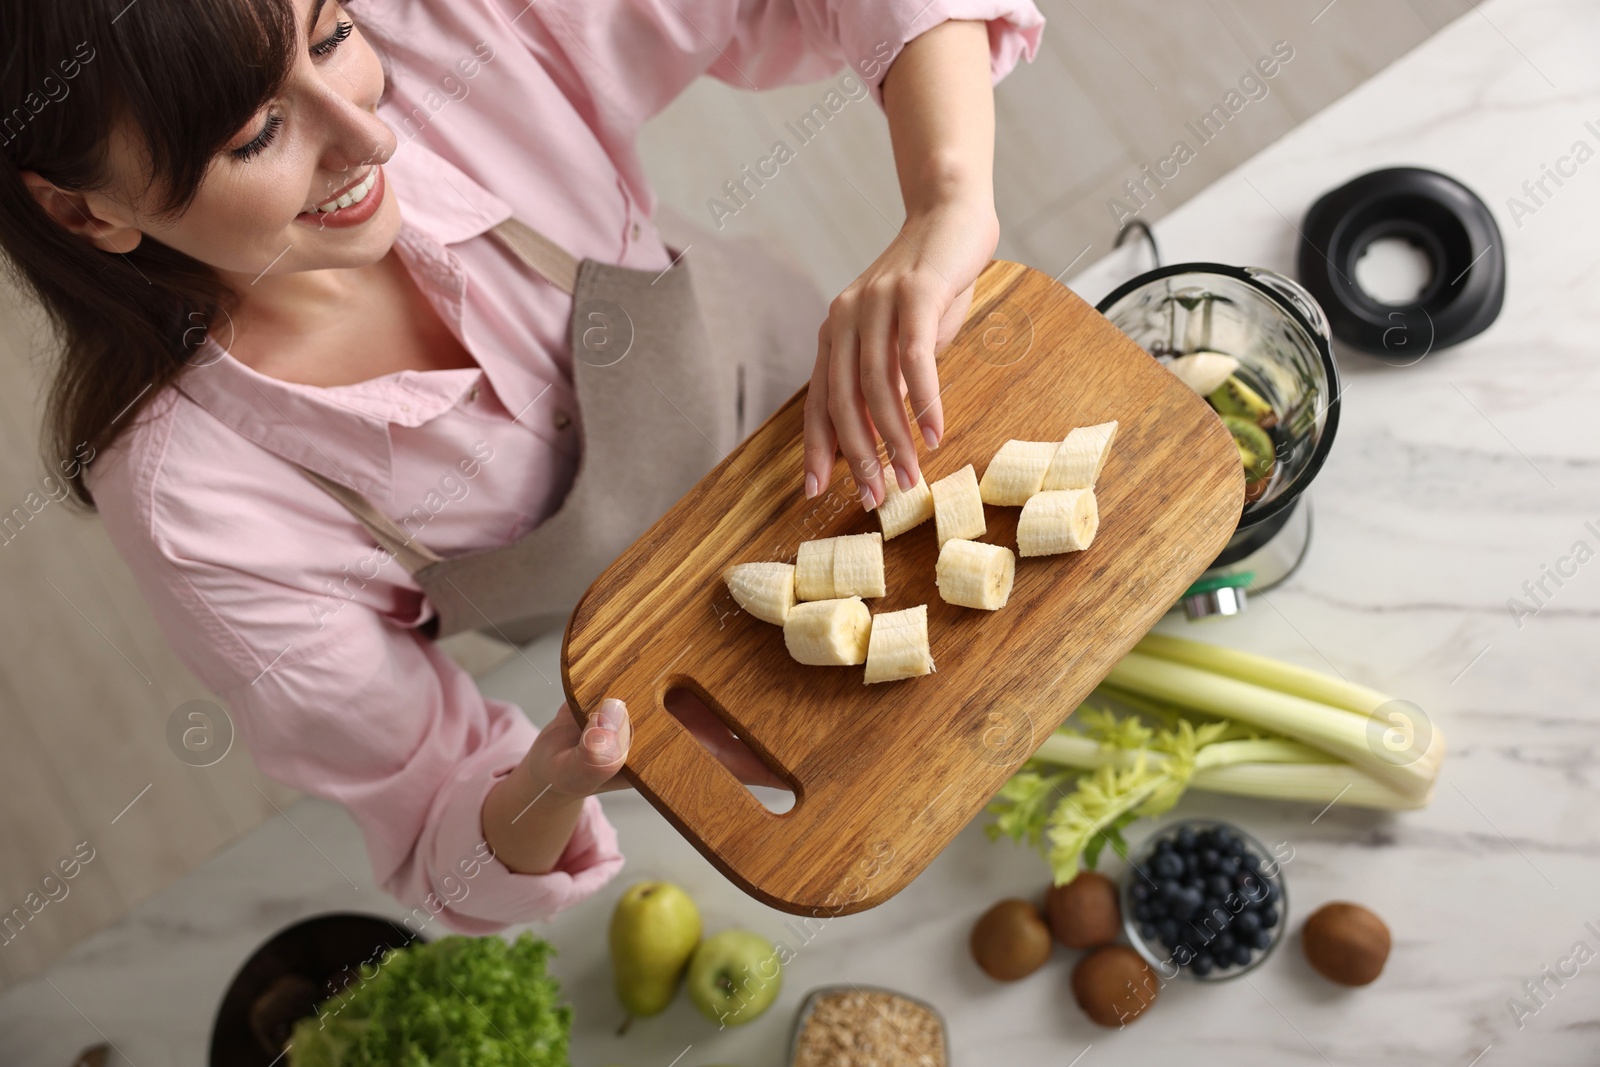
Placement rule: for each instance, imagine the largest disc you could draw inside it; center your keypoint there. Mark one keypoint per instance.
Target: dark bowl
(285, 979)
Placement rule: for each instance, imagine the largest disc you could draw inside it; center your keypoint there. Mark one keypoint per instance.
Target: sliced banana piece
(974, 574)
(958, 505)
(1077, 462)
(765, 590)
(1016, 472)
(901, 510)
(813, 569)
(1203, 371)
(858, 565)
(828, 633)
(1060, 520)
(898, 646)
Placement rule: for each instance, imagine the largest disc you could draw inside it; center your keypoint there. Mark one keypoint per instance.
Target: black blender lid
(1437, 214)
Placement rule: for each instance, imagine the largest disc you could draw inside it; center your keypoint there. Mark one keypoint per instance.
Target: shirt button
(405, 407)
(636, 231)
(474, 394)
(562, 420)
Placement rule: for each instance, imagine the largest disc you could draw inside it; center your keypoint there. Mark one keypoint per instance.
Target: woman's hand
(876, 350)
(529, 815)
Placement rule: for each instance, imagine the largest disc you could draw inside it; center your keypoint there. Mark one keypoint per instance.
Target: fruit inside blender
(1258, 429)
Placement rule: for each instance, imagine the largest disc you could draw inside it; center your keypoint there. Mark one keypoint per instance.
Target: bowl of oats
(866, 1026)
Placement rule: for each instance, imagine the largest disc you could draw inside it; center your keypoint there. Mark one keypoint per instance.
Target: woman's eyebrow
(316, 13)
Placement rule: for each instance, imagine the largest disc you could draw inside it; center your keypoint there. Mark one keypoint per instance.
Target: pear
(654, 931)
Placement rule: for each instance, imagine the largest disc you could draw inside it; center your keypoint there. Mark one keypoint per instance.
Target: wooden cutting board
(886, 775)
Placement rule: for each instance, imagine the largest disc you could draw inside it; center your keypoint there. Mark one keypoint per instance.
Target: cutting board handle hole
(700, 715)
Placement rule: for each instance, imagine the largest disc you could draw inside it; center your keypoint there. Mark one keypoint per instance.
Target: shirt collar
(341, 432)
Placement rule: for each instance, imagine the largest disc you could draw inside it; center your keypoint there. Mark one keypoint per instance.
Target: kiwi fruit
(1255, 447)
(1084, 912)
(1010, 940)
(1345, 943)
(1113, 985)
(1233, 397)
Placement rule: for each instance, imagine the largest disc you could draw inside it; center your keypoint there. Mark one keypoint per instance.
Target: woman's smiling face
(317, 143)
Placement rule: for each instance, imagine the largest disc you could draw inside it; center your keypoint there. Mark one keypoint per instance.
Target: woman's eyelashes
(320, 50)
(246, 152)
(326, 46)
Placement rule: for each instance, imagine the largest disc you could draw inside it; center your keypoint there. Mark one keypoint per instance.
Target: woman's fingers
(880, 378)
(582, 760)
(821, 445)
(919, 322)
(847, 407)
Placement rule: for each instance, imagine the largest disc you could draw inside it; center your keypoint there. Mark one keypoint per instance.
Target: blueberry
(1222, 945)
(1273, 893)
(1228, 866)
(1209, 858)
(1186, 905)
(1185, 839)
(1269, 917)
(1241, 954)
(1247, 923)
(1260, 939)
(1167, 931)
(1148, 931)
(1219, 886)
(1141, 911)
(1183, 954)
(1250, 861)
(1139, 890)
(1211, 906)
(1168, 865)
(1223, 839)
(1201, 964)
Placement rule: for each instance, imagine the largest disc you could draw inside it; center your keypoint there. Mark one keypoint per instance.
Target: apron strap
(554, 263)
(412, 554)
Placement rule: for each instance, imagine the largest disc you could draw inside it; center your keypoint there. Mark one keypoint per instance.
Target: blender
(1281, 340)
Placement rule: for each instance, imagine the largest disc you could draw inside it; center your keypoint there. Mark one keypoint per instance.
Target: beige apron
(670, 373)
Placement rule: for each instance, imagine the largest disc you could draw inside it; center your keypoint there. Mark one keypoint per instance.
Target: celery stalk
(1267, 673)
(1335, 730)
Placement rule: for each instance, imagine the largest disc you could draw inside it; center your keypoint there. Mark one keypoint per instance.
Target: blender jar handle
(1296, 296)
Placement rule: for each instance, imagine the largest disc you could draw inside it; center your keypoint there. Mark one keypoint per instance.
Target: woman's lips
(356, 213)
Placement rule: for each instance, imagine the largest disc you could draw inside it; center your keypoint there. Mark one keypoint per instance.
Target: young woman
(368, 337)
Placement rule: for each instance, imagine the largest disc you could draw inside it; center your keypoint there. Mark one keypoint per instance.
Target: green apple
(654, 930)
(734, 976)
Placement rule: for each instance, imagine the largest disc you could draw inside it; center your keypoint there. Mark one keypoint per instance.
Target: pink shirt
(269, 591)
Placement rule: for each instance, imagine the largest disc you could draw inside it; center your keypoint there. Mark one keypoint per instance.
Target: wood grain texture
(885, 775)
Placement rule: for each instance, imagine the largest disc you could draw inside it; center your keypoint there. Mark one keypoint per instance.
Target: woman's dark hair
(185, 76)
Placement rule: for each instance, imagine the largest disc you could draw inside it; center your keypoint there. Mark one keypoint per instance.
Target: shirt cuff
(464, 886)
(1015, 29)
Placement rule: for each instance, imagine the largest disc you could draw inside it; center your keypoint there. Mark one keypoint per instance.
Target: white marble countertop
(1452, 482)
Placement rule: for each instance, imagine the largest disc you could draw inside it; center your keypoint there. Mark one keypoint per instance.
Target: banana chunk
(958, 506)
(813, 569)
(828, 633)
(1061, 520)
(898, 646)
(1077, 462)
(858, 565)
(833, 567)
(973, 574)
(765, 590)
(1016, 472)
(1204, 372)
(902, 510)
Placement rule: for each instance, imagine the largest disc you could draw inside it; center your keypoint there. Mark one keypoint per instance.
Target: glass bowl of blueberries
(1203, 899)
